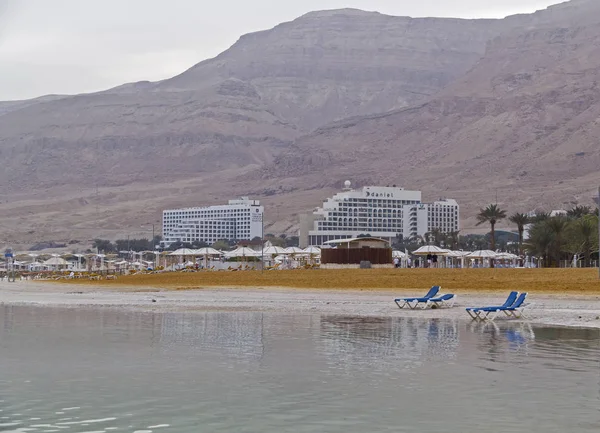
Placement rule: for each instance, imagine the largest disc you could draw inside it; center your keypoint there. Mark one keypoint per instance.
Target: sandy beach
(550, 309)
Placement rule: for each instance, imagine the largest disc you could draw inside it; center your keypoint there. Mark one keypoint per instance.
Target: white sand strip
(568, 310)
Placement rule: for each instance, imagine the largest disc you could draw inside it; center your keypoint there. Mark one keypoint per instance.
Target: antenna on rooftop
(347, 185)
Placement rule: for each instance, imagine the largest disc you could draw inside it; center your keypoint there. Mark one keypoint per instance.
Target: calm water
(103, 371)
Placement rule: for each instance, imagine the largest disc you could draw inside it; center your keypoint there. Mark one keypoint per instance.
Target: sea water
(102, 370)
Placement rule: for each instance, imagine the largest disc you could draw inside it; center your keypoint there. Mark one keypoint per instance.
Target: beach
(549, 308)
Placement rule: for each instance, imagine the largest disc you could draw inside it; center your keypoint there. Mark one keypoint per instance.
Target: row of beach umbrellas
(247, 252)
(480, 254)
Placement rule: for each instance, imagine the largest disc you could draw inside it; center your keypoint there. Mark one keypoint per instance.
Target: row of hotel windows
(212, 218)
(374, 212)
(377, 200)
(238, 221)
(378, 204)
(208, 235)
(205, 213)
(364, 229)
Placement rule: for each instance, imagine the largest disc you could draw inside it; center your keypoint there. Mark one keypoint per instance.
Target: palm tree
(491, 215)
(520, 220)
(579, 211)
(540, 241)
(558, 226)
(540, 216)
(583, 235)
(452, 239)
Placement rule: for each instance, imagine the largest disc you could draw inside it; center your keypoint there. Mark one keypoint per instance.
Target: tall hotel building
(239, 220)
(384, 212)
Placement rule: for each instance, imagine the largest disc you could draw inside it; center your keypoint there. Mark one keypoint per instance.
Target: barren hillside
(463, 108)
(522, 123)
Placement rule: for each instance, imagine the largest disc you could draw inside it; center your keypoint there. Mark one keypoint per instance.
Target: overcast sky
(74, 46)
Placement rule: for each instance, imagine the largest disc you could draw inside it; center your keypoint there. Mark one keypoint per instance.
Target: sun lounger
(412, 303)
(478, 313)
(442, 301)
(490, 313)
(516, 310)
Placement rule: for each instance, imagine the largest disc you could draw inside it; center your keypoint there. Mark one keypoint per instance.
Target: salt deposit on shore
(551, 310)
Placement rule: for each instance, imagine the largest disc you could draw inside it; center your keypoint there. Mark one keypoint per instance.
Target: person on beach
(396, 262)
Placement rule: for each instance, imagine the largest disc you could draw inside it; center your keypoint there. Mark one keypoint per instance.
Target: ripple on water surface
(104, 371)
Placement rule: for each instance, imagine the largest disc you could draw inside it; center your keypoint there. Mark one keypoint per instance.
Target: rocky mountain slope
(455, 107)
(239, 109)
(521, 124)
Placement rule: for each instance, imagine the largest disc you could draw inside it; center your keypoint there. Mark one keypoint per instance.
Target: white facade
(239, 220)
(443, 215)
(384, 212)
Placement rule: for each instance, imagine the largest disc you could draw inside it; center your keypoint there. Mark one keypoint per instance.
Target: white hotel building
(239, 220)
(384, 212)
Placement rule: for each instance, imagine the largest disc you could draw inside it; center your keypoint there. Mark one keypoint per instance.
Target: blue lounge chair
(412, 303)
(517, 310)
(478, 313)
(490, 313)
(442, 301)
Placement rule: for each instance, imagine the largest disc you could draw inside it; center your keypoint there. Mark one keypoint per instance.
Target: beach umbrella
(274, 251)
(294, 250)
(183, 252)
(482, 254)
(398, 254)
(505, 256)
(55, 263)
(459, 255)
(430, 249)
(208, 251)
(242, 252)
(313, 250)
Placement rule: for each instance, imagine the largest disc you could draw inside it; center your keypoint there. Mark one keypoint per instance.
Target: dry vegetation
(551, 281)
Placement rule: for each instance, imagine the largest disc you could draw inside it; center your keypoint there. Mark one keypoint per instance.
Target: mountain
(520, 124)
(242, 107)
(456, 107)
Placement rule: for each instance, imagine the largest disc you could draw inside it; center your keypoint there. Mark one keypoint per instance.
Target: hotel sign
(257, 216)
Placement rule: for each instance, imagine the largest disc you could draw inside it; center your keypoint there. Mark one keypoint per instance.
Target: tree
(292, 241)
(197, 244)
(557, 226)
(583, 237)
(178, 245)
(520, 220)
(452, 239)
(222, 245)
(540, 240)
(540, 216)
(435, 237)
(579, 211)
(491, 215)
(276, 241)
(103, 246)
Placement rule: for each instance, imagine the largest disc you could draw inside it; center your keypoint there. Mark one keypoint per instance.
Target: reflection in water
(367, 339)
(91, 370)
(239, 335)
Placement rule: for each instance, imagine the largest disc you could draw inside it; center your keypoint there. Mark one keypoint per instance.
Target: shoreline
(572, 310)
